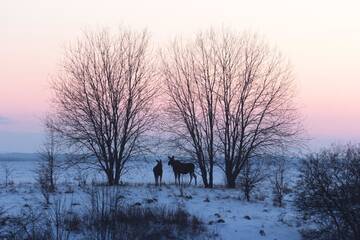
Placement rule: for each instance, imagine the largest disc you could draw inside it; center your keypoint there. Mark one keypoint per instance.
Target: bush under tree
(251, 176)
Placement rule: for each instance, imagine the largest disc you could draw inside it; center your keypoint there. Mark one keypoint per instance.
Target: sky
(320, 37)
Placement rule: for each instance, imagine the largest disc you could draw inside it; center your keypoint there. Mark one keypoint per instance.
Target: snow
(242, 220)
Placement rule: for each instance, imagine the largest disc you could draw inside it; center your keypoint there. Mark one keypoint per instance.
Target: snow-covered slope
(222, 210)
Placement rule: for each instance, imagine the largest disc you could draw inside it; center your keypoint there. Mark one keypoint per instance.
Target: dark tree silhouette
(190, 75)
(230, 99)
(104, 97)
(257, 114)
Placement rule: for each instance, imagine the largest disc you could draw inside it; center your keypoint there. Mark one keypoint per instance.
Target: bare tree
(190, 75)
(44, 185)
(48, 166)
(279, 182)
(231, 98)
(8, 171)
(257, 113)
(104, 97)
(252, 174)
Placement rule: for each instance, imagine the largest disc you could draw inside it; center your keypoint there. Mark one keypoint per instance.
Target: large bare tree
(103, 97)
(190, 76)
(230, 100)
(257, 112)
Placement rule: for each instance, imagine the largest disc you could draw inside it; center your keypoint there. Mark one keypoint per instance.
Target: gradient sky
(321, 38)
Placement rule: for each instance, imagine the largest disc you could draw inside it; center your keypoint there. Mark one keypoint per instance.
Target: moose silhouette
(181, 168)
(158, 171)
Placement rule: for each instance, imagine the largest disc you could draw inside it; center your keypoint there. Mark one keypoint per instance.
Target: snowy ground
(241, 219)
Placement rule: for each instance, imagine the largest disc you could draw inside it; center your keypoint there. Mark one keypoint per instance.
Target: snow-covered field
(224, 211)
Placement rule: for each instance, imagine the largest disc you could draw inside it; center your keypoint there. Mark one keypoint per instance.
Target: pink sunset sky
(321, 38)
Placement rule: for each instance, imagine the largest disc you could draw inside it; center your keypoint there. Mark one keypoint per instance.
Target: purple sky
(321, 38)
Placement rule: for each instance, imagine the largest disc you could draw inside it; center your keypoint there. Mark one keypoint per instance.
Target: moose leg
(160, 179)
(190, 178)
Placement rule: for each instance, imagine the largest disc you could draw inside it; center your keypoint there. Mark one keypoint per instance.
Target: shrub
(278, 180)
(109, 218)
(251, 176)
(106, 217)
(328, 193)
(8, 172)
(30, 223)
(34, 222)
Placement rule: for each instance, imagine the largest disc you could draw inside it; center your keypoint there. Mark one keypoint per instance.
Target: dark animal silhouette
(182, 168)
(158, 172)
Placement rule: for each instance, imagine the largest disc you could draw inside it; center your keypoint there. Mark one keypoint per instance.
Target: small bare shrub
(44, 185)
(109, 218)
(3, 219)
(31, 223)
(48, 166)
(35, 223)
(251, 176)
(72, 222)
(81, 177)
(280, 186)
(8, 172)
(59, 217)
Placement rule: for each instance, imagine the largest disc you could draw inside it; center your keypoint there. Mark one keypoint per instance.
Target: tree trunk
(247, 192)
(117, 177)
(230, 176)
(204, 178)
(203, 170)
(230, 181)
(110, 177)
(211, 176)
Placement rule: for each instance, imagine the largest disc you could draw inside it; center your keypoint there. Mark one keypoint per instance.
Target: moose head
(171, 160)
